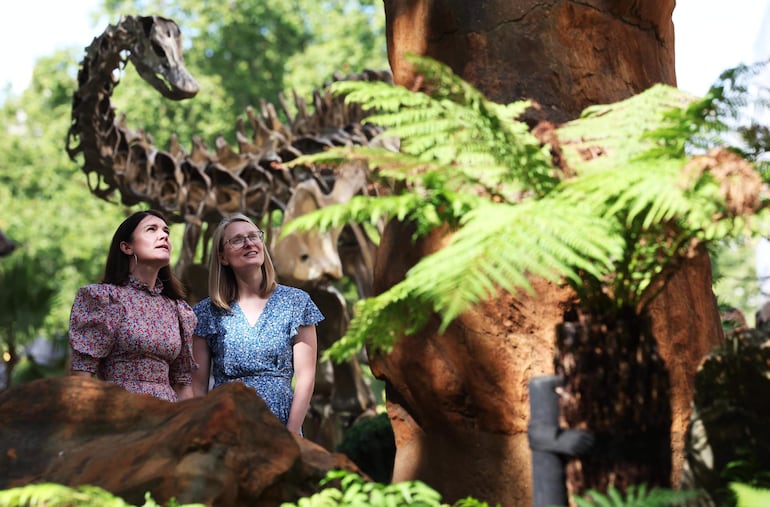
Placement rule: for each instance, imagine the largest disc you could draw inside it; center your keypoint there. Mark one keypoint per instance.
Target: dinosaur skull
(157, 56)
(311, 258)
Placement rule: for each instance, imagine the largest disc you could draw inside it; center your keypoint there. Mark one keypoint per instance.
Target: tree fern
(640, 178)
(615, 231)
(496, 247)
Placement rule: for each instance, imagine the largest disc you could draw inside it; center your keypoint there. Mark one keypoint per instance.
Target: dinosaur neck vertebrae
(202, 185)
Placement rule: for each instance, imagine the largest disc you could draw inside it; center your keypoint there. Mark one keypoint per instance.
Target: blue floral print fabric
(261, 356)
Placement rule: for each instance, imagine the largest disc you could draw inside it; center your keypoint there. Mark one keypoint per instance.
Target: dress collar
(139, 285)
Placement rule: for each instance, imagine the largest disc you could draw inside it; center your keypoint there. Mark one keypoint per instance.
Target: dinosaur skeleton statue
(201, 186)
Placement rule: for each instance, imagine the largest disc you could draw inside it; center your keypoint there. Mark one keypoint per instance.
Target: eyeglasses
(240, 241)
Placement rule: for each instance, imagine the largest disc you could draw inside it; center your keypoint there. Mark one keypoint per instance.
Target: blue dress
(260, 356)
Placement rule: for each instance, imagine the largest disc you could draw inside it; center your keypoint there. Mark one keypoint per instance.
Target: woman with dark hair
(252, 329)
(135, 328)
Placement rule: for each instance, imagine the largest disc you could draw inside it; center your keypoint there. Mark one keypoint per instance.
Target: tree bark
(459, 401)
(617, 387)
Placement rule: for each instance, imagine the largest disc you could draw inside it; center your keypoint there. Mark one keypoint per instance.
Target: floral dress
(261, 356)
(132, 336)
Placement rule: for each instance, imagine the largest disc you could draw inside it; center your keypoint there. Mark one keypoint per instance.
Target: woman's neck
(146, 274)
(249, 286)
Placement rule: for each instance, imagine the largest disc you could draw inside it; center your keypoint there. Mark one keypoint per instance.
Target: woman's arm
(183, 391)
(305, 351)
(81, 373)
(202, 356)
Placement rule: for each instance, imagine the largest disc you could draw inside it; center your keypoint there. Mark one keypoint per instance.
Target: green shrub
(57, 495)
(346, 489)
(636, 496)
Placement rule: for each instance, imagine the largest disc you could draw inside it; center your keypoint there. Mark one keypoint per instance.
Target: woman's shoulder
(98, 301)
(298, 303)
(286, 291)
(204, 305)
(97, 291)
(206, 309)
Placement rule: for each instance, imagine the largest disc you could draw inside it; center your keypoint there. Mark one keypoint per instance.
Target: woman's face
(150, 242)
(243, 246)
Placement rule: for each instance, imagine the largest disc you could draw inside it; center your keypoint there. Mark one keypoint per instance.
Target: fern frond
(501, 246)
(651, 190)
(427, 210)
(379, 321)
(625, 130)
(457, 126)
(498, 246)
(612, 232)
(52, 495)
(636, 496)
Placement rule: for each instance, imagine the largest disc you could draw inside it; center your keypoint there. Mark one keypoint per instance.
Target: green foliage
(207, 115)
(347, 37)
(58, 495)
(47, 206)
(27, 289)
(734, 275)
(750, 471)
(636, 496)
(456, 127)
(615, 232)
(61, 229)
(749, 496)
(658, 211)
(349, 489)
(740, 105)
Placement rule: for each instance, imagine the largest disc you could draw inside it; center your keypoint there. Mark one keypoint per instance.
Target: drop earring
(136, 260)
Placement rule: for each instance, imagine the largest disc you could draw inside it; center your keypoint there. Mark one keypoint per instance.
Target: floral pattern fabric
(132, 336)
(261, 356)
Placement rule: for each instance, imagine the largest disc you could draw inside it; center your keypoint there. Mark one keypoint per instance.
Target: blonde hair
(223, 287)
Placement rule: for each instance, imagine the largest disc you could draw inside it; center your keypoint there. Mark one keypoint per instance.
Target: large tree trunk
(458, 401)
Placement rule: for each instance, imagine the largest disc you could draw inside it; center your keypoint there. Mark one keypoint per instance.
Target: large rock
(225, 449)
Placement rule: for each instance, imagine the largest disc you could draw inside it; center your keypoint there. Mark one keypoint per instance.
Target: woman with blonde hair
(252, 329)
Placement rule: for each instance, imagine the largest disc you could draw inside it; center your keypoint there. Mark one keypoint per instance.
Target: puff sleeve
(96, 313)
(206, 326)
(184, 364)
(306, 313)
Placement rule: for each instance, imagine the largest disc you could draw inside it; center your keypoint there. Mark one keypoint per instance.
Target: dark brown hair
(116, 270)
